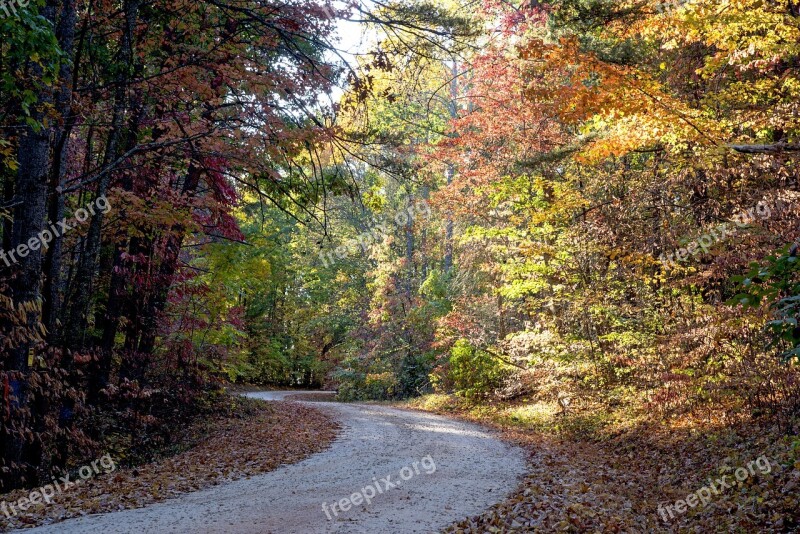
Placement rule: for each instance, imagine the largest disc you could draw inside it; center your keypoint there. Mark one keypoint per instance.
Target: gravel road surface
(473, 470)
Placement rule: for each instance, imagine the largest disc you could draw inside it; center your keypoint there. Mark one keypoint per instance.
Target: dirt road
(390, 471)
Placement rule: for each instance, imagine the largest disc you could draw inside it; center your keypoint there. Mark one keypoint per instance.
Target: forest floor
(425, 472)
(253, 439)
(614, 479)
(580, 476)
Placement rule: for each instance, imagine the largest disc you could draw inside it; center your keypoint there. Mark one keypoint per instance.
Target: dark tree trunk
(8, 224)
(87, 264)
(54, 285)
(117, 296)
(29, 215)
(169, 266)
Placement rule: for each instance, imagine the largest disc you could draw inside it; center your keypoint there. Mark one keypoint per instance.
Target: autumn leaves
(715, 235)
(704, 495)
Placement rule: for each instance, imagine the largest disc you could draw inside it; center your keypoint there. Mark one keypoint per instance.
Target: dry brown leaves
(617, 484)
(259, 438)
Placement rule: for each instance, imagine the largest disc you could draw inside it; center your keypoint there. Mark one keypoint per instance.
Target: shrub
(360, 382)
(474, 373)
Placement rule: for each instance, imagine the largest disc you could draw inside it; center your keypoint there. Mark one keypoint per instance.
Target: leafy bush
(380, 386)
(474, 373)
(414, 376)
(777, 282)
(358, 382)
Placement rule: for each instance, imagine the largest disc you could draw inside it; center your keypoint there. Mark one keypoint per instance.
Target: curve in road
(390, 471)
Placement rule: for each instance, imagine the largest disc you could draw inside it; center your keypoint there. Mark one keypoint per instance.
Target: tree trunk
(450, 172)
(29, 221)
(54, 284)
(87, 264)
(169, 266)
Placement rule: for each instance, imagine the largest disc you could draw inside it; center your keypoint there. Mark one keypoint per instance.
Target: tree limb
(504, 359)
(774, 148)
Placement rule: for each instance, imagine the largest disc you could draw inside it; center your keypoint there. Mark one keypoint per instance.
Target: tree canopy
(495, 199)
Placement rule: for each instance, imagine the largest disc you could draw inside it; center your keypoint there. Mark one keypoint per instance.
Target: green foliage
(474, 373)
(436, 290)
(775, 281)
(28, 40)
(281, 318)
(413, 379)
(360, 380)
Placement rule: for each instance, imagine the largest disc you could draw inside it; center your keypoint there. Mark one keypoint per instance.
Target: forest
(575, 221)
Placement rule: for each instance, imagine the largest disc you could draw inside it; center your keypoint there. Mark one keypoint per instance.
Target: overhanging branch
(773, 148)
